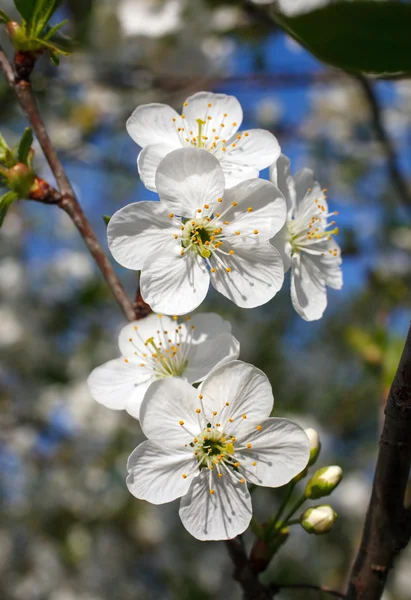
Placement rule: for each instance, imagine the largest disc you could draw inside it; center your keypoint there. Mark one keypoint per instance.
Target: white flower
(149, 18)
(198, 233)
(209, 121)
(305, 242)
(206, 444)
(158, 347)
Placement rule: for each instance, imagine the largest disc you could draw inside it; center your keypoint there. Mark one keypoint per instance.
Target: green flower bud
(323, 482)
(315, 445)
(318, 519)
(20, 179)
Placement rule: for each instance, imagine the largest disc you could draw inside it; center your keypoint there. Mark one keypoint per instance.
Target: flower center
(212, 447)
(210, 132)
(310, 227)
(199, 234)
(166, 352)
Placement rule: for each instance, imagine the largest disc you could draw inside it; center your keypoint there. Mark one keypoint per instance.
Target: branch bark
(387, 528)
(68, 201)
(398, 180)
(252, 587)
(307, 586)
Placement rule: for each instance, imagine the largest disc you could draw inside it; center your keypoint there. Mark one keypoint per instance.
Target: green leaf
(361, 36)
(25, 8)
(3, 17)
(25, 145)
(5, 202)
(55, 58)
(52, 30)
(106, 219)
(52, 47)
(43, 11)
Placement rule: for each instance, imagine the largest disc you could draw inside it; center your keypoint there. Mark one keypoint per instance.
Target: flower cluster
(215, 222)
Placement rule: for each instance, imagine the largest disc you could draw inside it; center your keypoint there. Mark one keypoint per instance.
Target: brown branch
(252, 587)
(68, 201)
(398, 180)
(306, 586)
(387, 528)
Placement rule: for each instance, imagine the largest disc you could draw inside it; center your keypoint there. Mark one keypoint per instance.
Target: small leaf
(52, 47)
(25, 145)
(3, 17)
(43, 11)
(25, 8)
(52, 30)
(106, 219)
(361, 36)
(54, 57)
(5, 202)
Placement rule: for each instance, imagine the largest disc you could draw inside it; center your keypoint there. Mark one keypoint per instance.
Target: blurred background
(70, 529)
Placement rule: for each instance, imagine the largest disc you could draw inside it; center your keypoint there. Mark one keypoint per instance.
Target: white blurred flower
(297, 7)
(268, 112)
(353, 495)
(226, 17)
(12, 279)
(150, 18)
(11, 330)
(73, 264)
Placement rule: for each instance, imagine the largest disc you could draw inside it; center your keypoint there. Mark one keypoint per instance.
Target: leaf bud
(17, 35)
(315, 445)
(323, 482)
(318, 519)
(20, 179)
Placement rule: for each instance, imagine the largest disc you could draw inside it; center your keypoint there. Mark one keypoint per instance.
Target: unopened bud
(318, 519)
(315, 445)
(323, 482)
(20, 179)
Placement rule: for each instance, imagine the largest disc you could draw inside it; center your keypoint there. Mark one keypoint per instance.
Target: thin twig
(398, 180)
(252, 587)
(68, 201)
(387, 528)
(306, 586)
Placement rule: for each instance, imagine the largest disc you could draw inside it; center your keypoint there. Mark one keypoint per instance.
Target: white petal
(113, 383)
(280, 175)
(189, 178)
(218, 516)
(133, 405)
(259, 149)
(206, 356)
(235, 173)
(256, 275)
(281, 241)
(206, 325)
(308, 191)
(153, 124)
(281, 450)
(308, 291)
(155, 472)
(139, 331)
(244, 387)
(328, 264)
(138, 231)
(268, 209)
(148, 161)
(166, 403)
(224, 110)
(175, 284)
